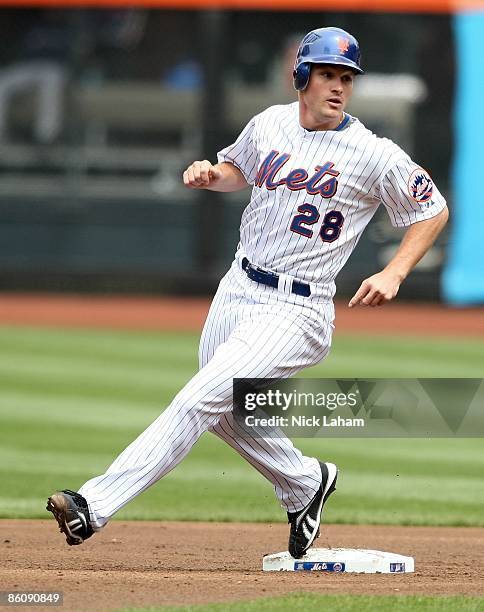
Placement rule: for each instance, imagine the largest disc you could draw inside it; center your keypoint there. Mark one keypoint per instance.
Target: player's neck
(308, 122)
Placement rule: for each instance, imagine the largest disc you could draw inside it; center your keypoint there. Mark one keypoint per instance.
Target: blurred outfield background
(100, 110)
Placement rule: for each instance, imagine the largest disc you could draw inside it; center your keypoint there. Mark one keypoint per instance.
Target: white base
(340, 560)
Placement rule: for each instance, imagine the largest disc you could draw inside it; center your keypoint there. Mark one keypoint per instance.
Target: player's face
(323, 101)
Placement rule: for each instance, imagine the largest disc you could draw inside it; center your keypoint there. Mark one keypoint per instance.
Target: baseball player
(317, 177)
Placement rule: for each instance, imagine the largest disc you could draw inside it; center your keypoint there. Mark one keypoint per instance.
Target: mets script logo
(323, 181)
(319, 567)
(420, 186)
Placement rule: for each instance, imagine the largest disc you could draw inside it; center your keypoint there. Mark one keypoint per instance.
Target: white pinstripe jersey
(314, 192)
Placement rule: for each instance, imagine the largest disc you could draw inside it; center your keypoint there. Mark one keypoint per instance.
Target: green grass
(303, 602)
(70, 400)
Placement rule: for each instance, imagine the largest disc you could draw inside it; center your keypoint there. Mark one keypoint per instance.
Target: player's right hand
(201, 174)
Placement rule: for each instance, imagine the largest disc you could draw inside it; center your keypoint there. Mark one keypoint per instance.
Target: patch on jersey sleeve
(420, 186)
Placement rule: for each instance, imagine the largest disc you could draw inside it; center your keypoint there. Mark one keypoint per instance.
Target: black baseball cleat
(305, 523)
(72, 514)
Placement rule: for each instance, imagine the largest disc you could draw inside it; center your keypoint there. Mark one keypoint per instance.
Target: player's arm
(219, 177)
(417, 240)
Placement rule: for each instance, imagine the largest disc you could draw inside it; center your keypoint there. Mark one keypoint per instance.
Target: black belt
(272, 279)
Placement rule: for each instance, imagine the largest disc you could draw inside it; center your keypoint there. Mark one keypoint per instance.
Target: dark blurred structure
(100, 111)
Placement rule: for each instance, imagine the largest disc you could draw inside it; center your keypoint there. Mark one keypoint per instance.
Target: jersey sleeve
(409, 194)
(243, 153)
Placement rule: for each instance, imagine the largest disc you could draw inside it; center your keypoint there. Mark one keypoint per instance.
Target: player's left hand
(376, 290)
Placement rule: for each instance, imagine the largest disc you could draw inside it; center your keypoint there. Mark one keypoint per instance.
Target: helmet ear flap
(301, 76)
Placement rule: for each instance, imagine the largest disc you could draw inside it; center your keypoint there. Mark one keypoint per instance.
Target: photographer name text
(302, 421)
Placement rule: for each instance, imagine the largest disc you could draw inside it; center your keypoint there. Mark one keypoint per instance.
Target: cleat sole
(58, 506)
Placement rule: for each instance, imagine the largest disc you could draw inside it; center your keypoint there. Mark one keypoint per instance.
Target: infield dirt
(188, 314)
(154, 563)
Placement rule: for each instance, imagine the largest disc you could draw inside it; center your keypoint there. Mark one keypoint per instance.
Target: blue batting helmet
(325, 46)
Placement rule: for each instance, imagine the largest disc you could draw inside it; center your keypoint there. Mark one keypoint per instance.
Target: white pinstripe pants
(251, 331)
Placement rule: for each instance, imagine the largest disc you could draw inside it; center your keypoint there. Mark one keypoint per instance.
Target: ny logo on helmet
(343, 45)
